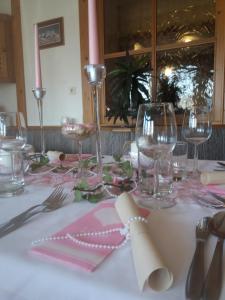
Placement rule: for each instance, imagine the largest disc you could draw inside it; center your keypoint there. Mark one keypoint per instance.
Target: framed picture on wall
(51, 33)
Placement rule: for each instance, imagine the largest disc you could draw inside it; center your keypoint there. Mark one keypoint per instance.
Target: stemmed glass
(156, 135)
(78, 132)
(196, 129)
(13, 131)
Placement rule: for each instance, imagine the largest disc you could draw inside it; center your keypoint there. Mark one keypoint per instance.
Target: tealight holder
(39, 94)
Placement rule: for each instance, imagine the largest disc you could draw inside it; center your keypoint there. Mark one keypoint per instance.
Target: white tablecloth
(24, 276)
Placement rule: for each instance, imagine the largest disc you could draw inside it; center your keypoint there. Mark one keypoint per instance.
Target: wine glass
(156, 135)
(13, 131)
(78, 132)
(196, 129)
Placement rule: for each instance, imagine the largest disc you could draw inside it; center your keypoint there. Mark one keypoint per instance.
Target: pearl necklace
(124, 231)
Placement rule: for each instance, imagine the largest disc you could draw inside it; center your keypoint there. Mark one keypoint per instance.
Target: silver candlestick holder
(96, 75)
(39, 94)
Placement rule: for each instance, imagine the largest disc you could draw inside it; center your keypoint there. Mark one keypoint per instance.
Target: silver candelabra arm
(39, 94)
(96, 76)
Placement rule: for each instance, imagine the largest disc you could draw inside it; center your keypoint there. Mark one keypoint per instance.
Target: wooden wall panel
(18, 57)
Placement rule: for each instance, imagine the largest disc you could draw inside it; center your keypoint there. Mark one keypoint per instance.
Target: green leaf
(78, 196)
(117, 157)
(127, 168)
(44, 160)
(107, 178)
(95, 198)
(37, 164)
(82, 185)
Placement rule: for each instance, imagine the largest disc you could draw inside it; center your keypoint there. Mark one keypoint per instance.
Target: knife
(17, 224)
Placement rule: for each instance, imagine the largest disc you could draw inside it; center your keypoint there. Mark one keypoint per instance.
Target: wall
(8, 99)
(5, 7)
(61, 70)
(112, 143)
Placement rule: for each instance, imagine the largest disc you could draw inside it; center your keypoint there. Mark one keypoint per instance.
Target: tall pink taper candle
(93, 33)
(38, 81)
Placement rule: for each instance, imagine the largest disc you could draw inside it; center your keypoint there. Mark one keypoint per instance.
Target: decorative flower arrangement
(117, 178)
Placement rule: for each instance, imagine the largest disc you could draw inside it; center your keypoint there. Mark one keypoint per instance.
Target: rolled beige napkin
(55, 155)
(215, 177)
(150, 269)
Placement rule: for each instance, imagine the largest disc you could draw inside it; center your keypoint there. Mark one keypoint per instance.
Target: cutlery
(195, 275)
(213, 281)
(220, 198)
(209, 202)
(53, 202)
(56, 192)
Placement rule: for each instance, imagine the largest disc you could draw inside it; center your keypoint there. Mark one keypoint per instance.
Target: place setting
(112, 162)
(126, 192)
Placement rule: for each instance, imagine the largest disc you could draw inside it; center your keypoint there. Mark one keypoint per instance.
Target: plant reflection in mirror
(129, 85)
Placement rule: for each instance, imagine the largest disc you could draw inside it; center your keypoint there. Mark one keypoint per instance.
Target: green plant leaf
(37, 164)
(117, 157)
(127, 168)
(128, 89)
(78, 196)
(95, 198)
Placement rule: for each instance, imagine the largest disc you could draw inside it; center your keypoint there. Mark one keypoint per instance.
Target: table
(26, 277)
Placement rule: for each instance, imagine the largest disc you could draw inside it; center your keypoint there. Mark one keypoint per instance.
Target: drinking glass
(196, 129)
(156, 135)
(13, 136)
(78, 132)
(13, 131)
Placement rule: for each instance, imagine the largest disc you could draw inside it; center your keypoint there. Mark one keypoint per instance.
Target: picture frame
(51, 33)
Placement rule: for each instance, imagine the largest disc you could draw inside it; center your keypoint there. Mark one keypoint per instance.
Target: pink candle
(93, 33)
(38, 81)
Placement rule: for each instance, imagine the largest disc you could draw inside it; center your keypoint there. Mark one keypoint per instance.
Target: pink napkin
(102, 217)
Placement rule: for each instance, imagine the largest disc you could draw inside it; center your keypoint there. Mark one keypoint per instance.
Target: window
(161, 50)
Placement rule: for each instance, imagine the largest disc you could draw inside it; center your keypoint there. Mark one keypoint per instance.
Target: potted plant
(128, 87)
(169, 92)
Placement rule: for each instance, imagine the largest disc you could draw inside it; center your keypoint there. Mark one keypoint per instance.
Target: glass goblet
(196, 129)
(13, 131)
(78, 132)
(156, 135)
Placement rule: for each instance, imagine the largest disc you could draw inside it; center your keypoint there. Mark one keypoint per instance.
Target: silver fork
(209, 202)
(53, 202)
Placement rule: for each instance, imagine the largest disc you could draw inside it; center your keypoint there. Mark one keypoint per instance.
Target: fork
(213, 203)
(53, 202)
(57, 192)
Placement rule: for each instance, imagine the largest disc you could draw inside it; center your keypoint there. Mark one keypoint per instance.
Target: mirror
(60, 65)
